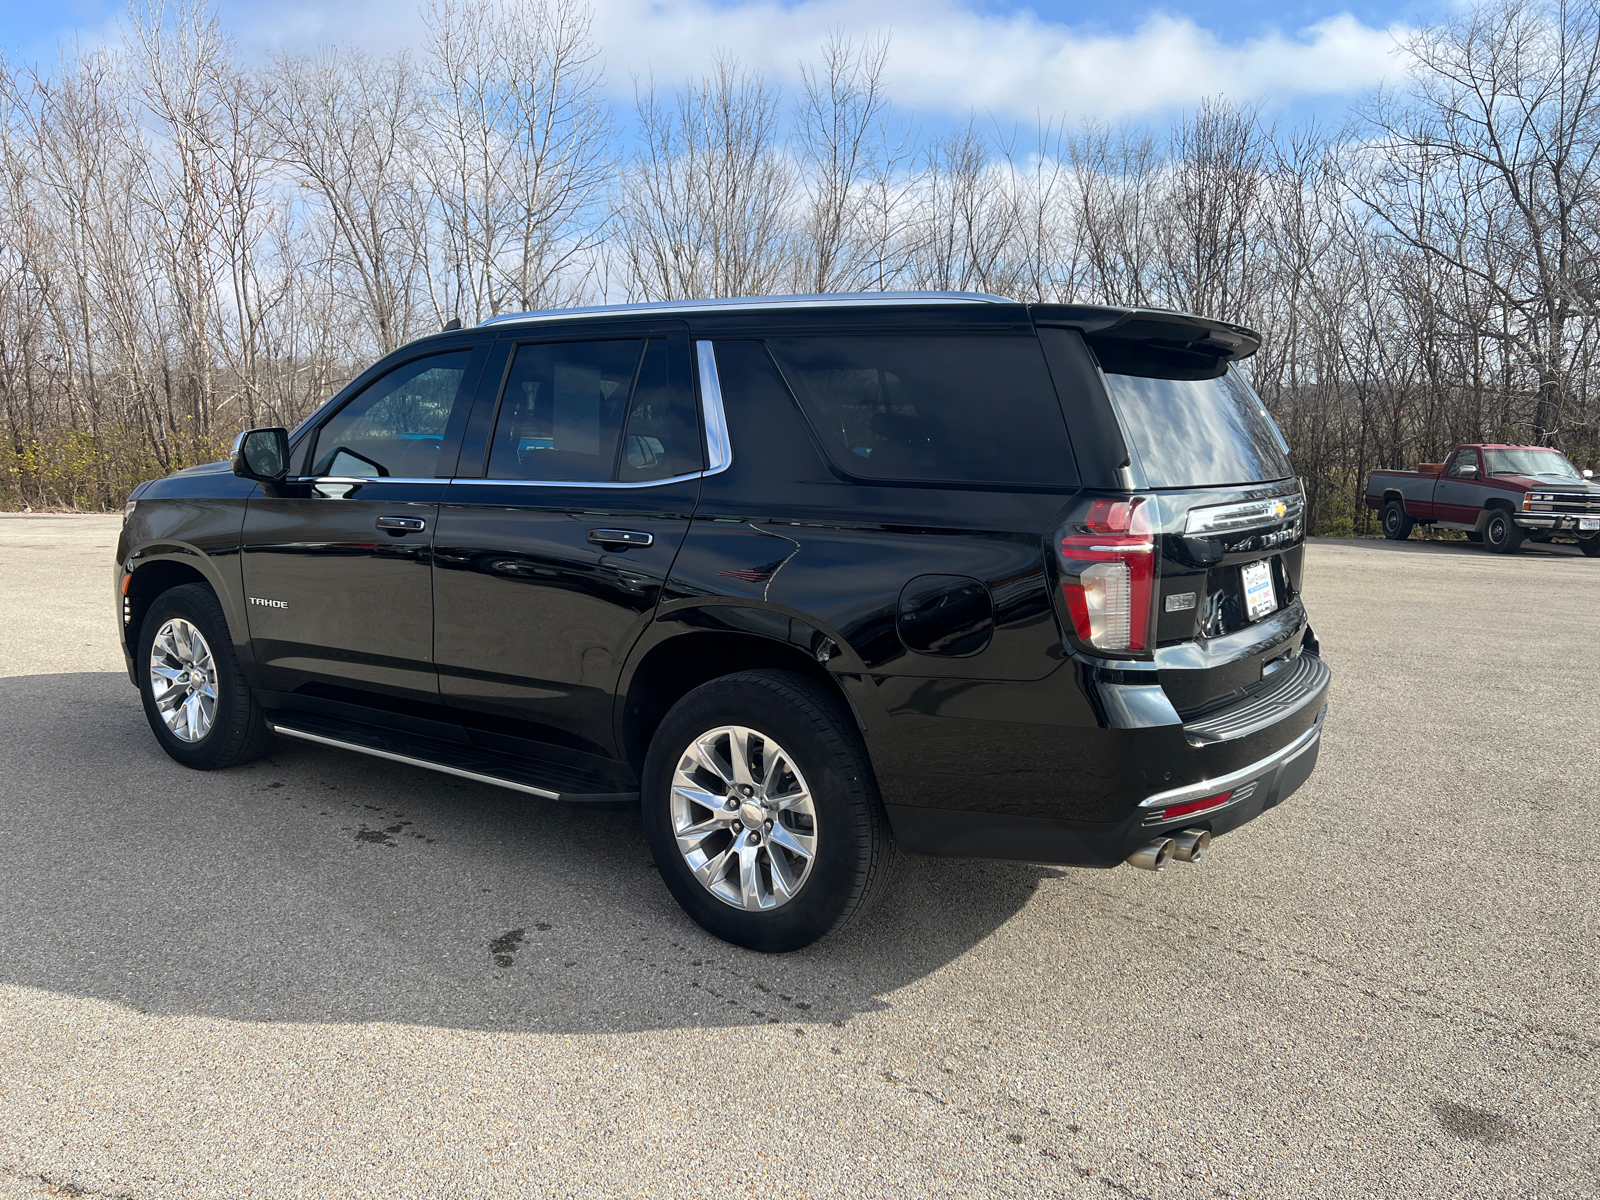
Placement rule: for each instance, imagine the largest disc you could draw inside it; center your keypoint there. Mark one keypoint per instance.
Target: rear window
(1198, 432)
(932, 409)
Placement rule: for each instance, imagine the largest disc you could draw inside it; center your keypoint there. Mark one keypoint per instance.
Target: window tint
(663, 435)
(1198, 432)
(562, 411)
(958, 409)
(398, 425)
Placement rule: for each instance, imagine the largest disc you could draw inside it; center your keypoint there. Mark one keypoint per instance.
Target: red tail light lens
(1108, 565)
(1195, 806)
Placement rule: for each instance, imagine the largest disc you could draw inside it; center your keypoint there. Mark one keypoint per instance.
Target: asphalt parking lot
(327, 974)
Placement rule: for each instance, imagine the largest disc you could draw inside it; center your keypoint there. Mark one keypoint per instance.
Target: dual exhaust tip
(1189, 846)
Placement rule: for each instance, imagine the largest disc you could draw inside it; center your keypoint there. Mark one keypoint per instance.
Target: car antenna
(452, 324)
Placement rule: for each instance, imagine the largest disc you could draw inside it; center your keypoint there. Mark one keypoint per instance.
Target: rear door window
(562, 411)
(961, 409)
(1196, 432)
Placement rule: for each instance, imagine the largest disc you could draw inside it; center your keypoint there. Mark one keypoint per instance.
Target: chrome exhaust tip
(1153, 856)
(1191, 845)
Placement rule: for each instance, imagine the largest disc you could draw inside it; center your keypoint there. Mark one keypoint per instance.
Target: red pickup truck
(1500, 495)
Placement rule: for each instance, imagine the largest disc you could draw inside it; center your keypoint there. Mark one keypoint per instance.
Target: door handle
(620, 537)
(402, 524)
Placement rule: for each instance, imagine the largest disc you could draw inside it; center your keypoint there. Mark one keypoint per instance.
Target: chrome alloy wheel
(183, 680)
(743, 819)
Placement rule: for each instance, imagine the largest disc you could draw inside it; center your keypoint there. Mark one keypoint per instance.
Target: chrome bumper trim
(1223, 783)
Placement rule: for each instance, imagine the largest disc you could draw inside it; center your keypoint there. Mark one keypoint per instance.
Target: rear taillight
(1108, 560)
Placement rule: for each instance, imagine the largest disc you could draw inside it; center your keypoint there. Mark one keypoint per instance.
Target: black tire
(238, 731)
(1396, 522)
(1590, 545)
(1502, 535)
(853, 846)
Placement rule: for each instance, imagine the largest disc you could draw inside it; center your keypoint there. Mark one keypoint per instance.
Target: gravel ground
(326, 974)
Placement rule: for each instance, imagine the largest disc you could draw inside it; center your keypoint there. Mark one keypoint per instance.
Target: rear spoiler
(1181, 335)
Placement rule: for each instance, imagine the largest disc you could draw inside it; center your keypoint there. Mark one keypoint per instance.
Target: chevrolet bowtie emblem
(1279, 508)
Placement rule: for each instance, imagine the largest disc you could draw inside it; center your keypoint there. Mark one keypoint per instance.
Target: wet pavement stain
(505, 946)
(1473, 1124)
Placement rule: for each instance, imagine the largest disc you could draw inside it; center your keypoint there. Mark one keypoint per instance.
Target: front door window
(398, 426)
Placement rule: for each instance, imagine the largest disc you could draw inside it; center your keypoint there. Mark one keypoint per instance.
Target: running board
(548, 781)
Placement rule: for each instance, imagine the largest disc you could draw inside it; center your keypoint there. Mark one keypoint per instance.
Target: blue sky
(1117, 61)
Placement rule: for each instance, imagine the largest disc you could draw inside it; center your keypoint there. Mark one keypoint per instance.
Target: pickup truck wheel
(1396, 523)
(1590, 545)
(761, 810)
(1501, 535)
(195, 698)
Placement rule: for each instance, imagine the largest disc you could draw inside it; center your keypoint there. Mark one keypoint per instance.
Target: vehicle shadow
(323, 886)
(1429, 546)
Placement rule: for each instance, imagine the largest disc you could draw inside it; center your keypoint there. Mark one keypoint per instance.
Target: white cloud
(944, 57)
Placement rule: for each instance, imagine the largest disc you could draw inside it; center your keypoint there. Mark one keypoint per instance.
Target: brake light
(1108, 574)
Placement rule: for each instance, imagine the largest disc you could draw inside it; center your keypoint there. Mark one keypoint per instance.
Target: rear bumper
(1254, 787)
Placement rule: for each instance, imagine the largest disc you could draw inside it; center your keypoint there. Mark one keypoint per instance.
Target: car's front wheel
(196, 700)
(761, 810)
(1501, 535)
(1590, 545)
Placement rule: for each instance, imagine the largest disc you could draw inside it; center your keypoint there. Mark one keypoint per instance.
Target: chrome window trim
(713, 419)
(719, 450)
(579, 483)
(583, 483)
(666, 308)
(315, 479)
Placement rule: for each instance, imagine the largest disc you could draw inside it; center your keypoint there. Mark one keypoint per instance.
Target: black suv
(808, 578)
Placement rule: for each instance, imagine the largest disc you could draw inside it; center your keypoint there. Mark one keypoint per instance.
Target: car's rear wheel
(1501, 535)
(196, 700)
(762, 812)
(1396, 523)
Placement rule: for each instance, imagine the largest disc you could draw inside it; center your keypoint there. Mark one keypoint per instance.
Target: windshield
(1530, 462)
(1198, 432)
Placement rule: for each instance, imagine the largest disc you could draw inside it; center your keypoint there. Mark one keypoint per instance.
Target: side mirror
(1466, 470)
(262, 454)
(1588, 474)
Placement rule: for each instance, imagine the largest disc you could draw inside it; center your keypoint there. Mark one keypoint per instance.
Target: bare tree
(706, 206)
(847, 160)
(1487, 166)
(517, 152)
(349, 124)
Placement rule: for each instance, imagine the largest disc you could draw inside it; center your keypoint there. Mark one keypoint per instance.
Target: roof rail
(669, 307)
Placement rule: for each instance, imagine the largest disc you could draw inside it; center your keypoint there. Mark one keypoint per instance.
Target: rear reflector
(1190, 807)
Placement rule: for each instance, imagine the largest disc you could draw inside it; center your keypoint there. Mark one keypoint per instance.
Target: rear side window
(963, 409)
(1197, 432)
